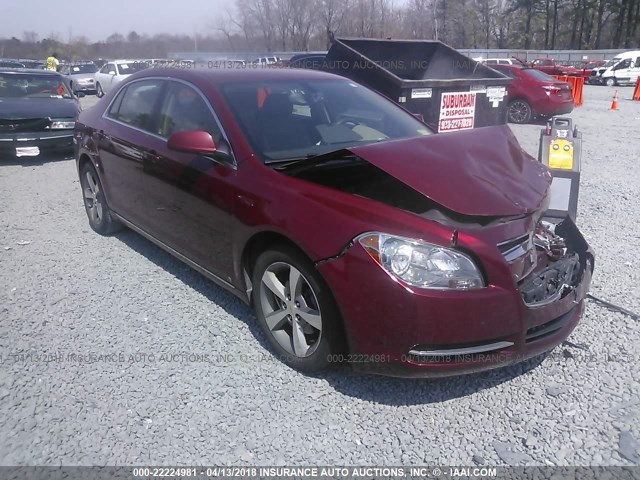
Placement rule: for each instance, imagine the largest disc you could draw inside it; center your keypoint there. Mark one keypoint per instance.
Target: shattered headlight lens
(421, 264)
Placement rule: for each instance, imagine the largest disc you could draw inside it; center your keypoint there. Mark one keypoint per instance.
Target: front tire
(520, 111)
(95, 203)
(99, 91)
(296, 310)
(611, 82)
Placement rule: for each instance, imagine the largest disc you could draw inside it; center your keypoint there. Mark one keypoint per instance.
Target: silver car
(81, 76)
(114, 72)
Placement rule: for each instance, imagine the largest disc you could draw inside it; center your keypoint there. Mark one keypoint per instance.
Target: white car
(265, 61)
(81, 76)
(499, 61)
(114, 72)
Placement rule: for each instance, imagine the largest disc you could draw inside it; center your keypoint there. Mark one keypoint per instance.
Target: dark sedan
(533, 93)
(37, 113)
(356, 234)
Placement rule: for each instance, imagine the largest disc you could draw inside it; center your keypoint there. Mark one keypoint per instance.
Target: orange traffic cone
(636, 92)
(614, 104)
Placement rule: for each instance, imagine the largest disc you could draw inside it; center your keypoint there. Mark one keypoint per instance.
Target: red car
(355, 233)
(552, 67)
(533, 93)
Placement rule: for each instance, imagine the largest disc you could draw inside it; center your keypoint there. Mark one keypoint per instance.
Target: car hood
(481, 172)
(18, 108)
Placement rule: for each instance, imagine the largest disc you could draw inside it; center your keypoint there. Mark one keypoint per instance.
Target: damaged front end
(561, 257)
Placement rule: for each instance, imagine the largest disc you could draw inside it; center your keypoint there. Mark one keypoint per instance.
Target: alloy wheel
(291, 309)
(519, 111)
(93, 198)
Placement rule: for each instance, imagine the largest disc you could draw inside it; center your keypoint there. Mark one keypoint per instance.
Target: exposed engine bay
(353, 175)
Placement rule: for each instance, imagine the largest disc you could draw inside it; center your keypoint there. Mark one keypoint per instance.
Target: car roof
(124, 60)
(28, 70)
(235, 75)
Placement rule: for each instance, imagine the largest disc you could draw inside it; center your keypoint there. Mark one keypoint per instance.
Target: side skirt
(203, 271)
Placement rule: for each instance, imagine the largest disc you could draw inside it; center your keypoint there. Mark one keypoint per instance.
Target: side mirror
(112, 72)
(198, 142)
(80, 94)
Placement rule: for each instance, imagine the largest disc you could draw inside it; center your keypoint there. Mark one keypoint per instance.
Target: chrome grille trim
(520, 250)
(489, 347)
(515, 248)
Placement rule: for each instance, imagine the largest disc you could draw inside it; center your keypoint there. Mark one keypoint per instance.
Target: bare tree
(30, 36)
(332, 15)
(302, 22)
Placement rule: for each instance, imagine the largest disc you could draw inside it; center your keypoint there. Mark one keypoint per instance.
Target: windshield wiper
(312, 161)
(283, 162)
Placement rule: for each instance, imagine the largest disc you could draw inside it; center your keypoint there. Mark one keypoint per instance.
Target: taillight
(552, 89)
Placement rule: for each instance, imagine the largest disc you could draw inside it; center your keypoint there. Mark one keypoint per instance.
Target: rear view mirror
(198, 142)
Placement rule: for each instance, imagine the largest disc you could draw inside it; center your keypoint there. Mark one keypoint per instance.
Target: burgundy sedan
(355, 233)
(533, 93)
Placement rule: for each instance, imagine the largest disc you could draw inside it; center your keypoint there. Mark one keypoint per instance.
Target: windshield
(538, 75)
(612, 62)
(131, 67)
(88, 68)
(289, 119)
(32, 85)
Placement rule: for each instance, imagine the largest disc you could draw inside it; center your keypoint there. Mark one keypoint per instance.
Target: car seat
(281, 129)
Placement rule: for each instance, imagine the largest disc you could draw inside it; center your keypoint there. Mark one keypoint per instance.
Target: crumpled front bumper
(399, 331)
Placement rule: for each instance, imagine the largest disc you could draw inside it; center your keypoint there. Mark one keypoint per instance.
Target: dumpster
(430, 79)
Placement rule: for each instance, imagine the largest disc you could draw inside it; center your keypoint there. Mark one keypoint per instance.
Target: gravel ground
(66, 291)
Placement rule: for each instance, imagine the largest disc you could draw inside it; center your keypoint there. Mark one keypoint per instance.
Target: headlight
(62, 124)
(422, 264)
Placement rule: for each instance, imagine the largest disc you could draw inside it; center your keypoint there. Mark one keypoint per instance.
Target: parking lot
(113, 352)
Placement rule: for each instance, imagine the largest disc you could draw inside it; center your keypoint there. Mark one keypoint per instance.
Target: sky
(97, 20)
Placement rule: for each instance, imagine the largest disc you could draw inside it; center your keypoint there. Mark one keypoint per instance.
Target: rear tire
(95, 203)
(520, 111)
(99, 91)
(296, 310)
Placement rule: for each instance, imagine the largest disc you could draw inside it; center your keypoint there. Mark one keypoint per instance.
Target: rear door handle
(151, 156)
